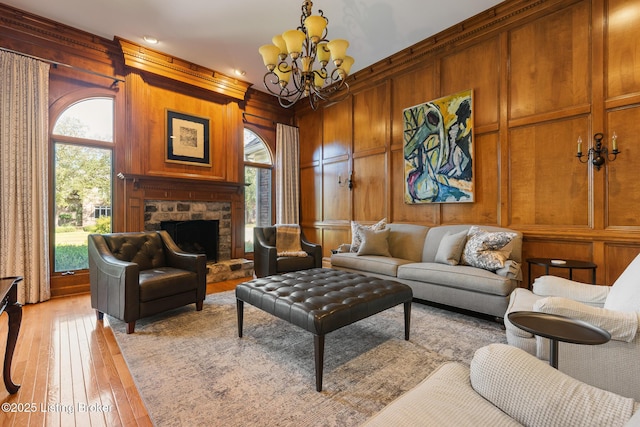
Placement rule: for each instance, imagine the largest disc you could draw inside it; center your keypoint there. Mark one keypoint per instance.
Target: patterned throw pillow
(356, 236)
(487, 250)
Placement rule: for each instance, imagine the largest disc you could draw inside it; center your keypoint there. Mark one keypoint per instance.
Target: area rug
(191, 368)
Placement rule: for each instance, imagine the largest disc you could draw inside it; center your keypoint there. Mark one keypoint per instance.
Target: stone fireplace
(194, 222)
(150, 199)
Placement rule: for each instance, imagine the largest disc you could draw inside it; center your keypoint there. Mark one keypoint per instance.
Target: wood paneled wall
(542, 74)
(151, 83)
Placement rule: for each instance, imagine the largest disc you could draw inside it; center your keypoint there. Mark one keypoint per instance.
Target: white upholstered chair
(613, 366)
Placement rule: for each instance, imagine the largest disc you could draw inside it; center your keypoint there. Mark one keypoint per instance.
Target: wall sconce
(598, 154)
(348, 182)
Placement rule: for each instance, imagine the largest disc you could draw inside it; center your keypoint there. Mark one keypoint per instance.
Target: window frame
(81, 276)
(270, 166)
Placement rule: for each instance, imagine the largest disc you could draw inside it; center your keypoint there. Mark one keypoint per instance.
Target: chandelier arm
(268, 85)
(303, 74)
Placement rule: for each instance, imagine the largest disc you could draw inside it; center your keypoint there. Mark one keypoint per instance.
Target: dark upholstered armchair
(135, 275)
(265, 255)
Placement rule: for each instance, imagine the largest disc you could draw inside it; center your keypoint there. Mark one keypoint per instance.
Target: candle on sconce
(614, 141)
(579, 146)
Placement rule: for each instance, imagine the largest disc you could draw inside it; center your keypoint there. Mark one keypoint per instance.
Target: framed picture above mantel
(188, 140)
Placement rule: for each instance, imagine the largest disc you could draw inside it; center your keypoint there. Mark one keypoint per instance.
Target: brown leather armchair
(266, 261)
(135, 275)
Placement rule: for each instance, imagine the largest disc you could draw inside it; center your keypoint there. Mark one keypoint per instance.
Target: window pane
(257, 192)
(257, 199)
(82, 201)
(89, 119)
(255, 150)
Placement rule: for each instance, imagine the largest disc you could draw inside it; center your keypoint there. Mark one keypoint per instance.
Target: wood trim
(155, 62)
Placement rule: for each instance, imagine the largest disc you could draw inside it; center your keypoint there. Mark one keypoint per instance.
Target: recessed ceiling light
(239, 72)
(150, 39)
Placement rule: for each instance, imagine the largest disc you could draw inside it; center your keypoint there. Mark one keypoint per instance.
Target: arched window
(257, 194)
(83, 139)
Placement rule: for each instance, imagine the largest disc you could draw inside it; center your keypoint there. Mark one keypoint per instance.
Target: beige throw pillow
(356, 237)
(374, 242)
(451, 247)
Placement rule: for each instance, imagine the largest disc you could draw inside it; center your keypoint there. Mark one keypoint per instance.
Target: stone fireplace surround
(156, 211)
(150, 198)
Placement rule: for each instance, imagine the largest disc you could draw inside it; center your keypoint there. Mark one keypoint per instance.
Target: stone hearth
(230, 269)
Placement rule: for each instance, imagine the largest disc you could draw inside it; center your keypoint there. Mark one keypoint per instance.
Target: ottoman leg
(240, 310)
(318, 343)
(407, 319)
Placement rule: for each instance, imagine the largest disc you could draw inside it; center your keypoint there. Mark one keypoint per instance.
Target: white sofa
(612, 366)
(415, 258)
(505, 386)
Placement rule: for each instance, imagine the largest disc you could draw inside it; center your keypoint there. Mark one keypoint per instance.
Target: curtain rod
(244, 118)
(61, 64)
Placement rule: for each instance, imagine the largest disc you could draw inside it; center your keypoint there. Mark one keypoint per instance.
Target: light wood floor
(70, 368)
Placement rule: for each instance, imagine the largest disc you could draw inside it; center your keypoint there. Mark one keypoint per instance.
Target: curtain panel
(24, 153)
(287, 174)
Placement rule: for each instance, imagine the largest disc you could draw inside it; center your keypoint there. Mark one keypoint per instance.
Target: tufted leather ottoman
(322, 300)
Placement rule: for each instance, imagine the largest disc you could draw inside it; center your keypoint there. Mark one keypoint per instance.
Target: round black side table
(563, 263)
(558, 328)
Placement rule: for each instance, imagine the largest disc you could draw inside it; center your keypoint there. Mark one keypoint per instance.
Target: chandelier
(297, 62)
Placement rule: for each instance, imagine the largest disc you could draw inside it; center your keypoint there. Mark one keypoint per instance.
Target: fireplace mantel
(138, 188)
(196, 185)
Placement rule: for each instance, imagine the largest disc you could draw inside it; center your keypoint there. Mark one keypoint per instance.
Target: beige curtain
(24, 151)
(287, 174)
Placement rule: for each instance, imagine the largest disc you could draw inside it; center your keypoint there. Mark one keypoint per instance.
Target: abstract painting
(438, 150)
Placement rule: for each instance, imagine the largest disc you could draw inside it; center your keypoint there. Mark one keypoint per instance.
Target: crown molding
(155, 62)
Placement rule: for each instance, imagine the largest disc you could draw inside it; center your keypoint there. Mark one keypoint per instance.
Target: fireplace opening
(196, 236)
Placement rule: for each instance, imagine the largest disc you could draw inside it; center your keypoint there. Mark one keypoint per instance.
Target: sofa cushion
(374, 242)
(487, 250)
(285, 264)
(451, 247)
(625, 292)
(407, 240)
(444, 398)
(512, 380)
(165, 282)
(375, 264)
(457, 276)
(356, 238)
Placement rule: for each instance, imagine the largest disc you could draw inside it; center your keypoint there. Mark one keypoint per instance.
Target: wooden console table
(9, 303)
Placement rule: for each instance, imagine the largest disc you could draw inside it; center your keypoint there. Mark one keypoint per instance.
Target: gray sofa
(412, 260)
(505, 386)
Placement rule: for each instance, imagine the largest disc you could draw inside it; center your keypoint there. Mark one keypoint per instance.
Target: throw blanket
(288, 240)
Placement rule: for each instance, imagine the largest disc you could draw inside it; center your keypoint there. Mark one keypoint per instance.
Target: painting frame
(438, 150)
(187, 139)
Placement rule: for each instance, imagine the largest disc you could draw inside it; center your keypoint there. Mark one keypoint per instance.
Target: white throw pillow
(625, 292)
